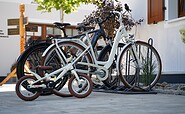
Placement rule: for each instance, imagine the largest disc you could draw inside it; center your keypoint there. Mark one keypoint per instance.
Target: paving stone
(96, 103)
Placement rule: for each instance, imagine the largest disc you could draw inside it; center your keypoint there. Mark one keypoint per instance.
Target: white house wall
(9, 45)
(165, 34)
(79, 15)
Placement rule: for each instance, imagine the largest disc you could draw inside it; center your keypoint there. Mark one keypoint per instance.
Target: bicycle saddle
(61, 25)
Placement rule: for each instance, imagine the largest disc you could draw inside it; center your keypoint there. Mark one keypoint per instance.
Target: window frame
(181, 5)
(153, 10)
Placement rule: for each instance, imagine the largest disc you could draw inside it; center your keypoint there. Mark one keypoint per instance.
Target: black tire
(113, 78)
(144, 78)
(31, 57)
(52, 59)
(21, 91)
(83, 90)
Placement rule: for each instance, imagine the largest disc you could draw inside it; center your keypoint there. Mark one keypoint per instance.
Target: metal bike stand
(121, 89)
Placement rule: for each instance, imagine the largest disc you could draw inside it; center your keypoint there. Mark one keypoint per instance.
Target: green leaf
(68, 6)
(40, 8)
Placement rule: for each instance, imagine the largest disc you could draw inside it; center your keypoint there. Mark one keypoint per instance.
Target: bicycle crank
(101, 72)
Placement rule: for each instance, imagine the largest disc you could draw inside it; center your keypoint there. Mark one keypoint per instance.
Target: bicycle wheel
(113, 77)
(23, 91)
(71, 51)
(83, 89)
(140, 78)
(29, 60)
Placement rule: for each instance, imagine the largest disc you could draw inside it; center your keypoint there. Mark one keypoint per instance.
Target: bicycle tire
(87, 87)
(22, 95)
(112, 80)
(140, 79)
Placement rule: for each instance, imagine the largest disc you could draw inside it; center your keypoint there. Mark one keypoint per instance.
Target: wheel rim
(25, 91)
(140, 78)
(82, 88)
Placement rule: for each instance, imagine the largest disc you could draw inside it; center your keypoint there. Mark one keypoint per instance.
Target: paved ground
(96, 103)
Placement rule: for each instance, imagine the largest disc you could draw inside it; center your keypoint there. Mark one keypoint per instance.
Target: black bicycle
(32, 57)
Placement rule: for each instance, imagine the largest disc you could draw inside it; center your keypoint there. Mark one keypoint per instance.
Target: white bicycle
(138, 65)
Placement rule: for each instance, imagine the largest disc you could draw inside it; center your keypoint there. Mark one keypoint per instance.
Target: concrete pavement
(96, 103)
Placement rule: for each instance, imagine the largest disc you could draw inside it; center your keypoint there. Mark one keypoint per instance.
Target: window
(159, 10)
(181, 6)
(71, 32)
(155, 11)
(53, 30)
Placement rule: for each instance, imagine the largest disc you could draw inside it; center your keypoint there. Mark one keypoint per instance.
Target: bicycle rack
(121, 89)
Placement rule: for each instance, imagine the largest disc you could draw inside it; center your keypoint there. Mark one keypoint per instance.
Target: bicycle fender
(47, 49)
(29, 48)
